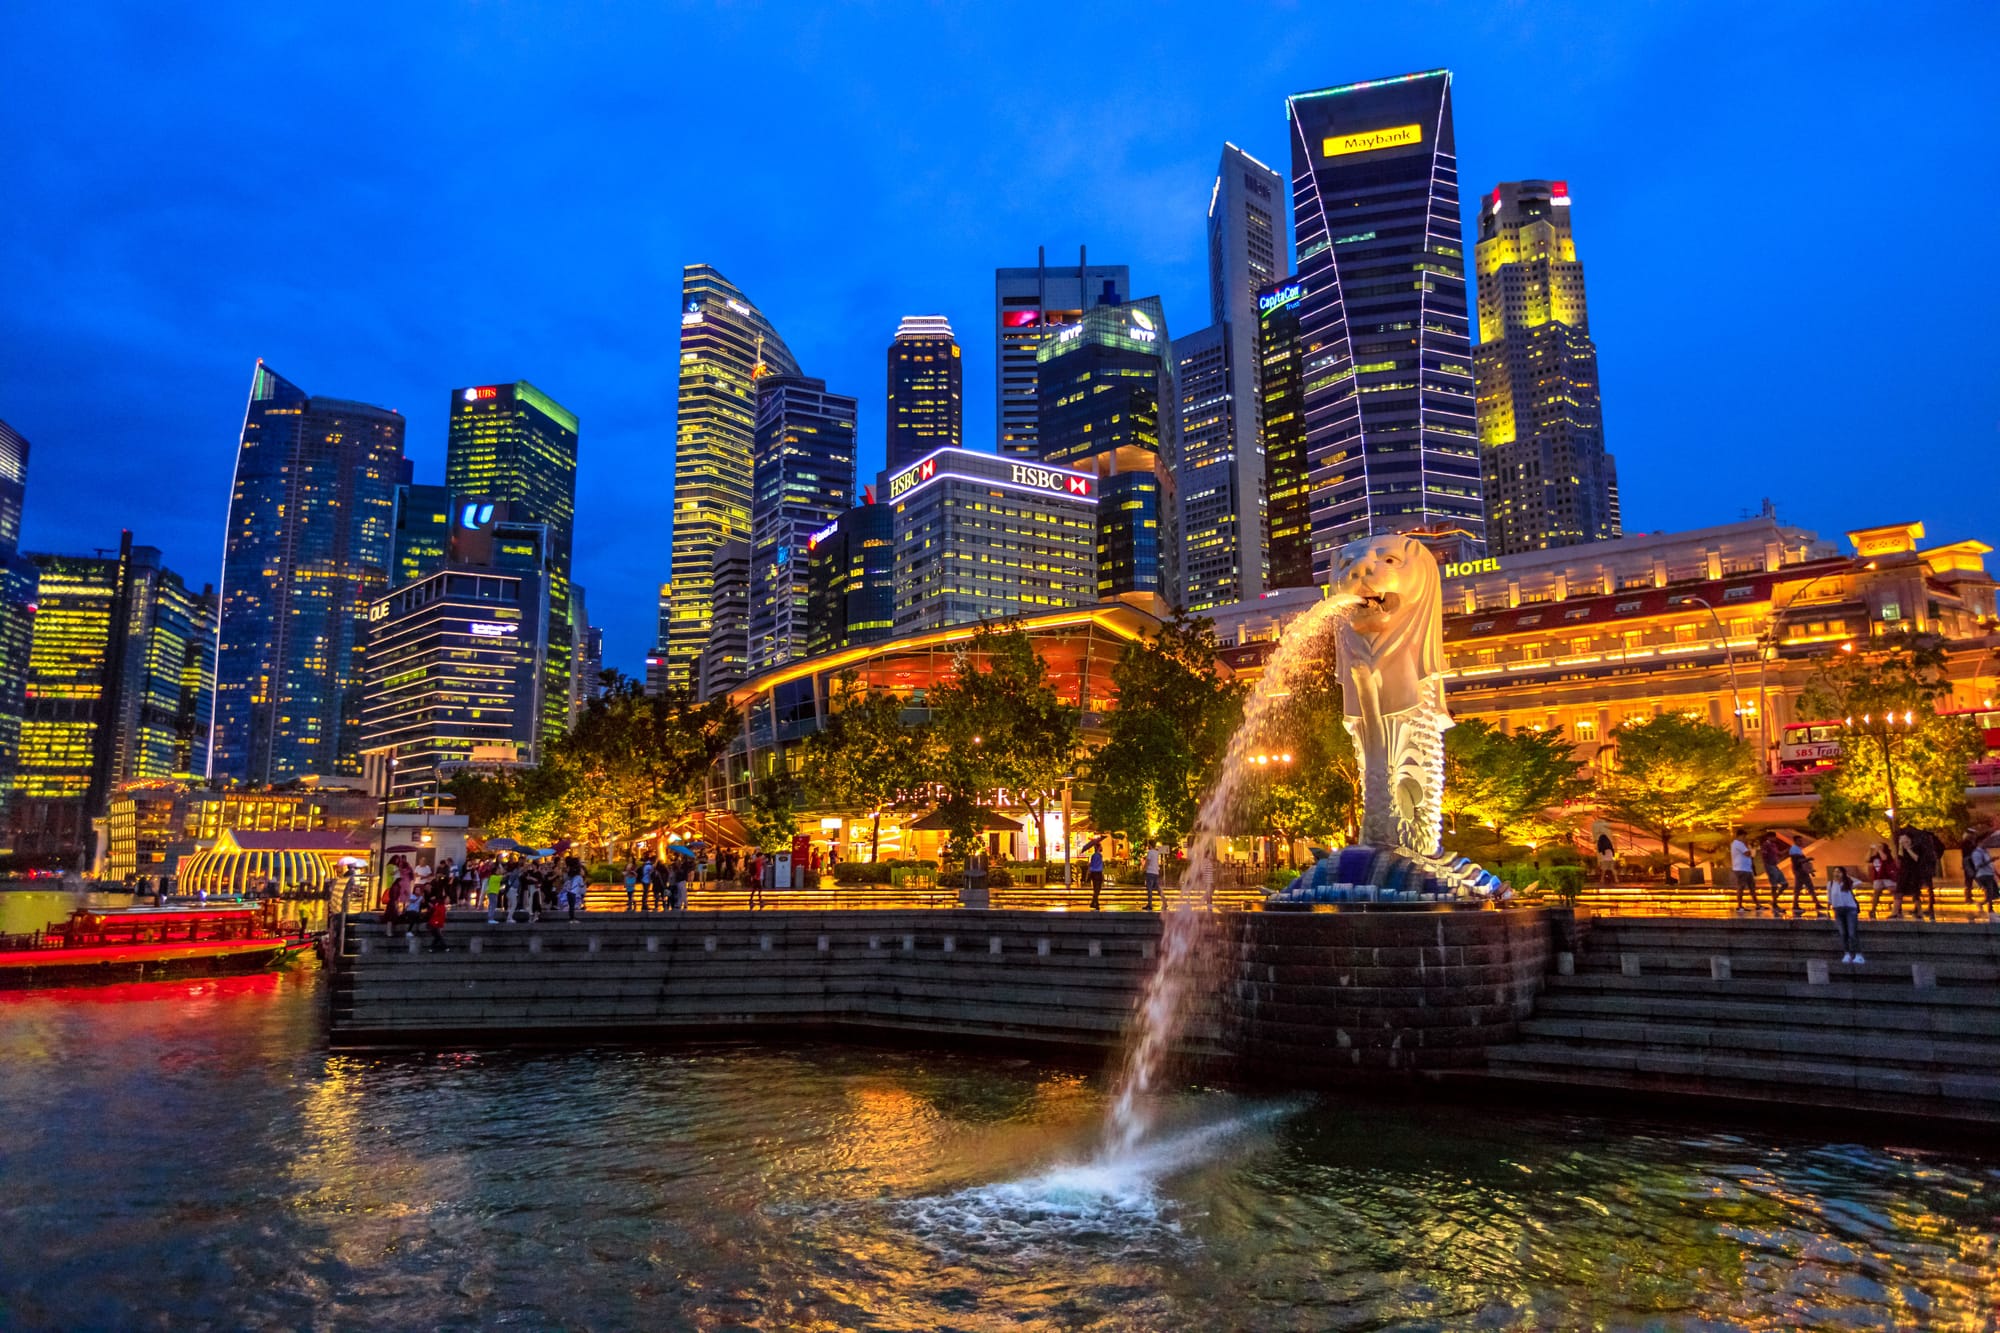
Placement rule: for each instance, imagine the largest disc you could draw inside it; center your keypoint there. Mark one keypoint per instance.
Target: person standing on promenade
(631, 886)
(1802, 877)
(1153, 874)
(1846, 913)
(1909, 874)
(1772, 853)
(1745, 871)
(496, 891)
(1096, 874)
(682, 869)
(1607, 860)
(1979, 865)
(436, 914)
(1930, 860)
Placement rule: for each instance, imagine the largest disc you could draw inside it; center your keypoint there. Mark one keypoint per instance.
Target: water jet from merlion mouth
(1385, 613)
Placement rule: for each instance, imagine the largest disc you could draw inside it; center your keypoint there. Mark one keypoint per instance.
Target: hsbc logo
(904, 481)
(1045, 479)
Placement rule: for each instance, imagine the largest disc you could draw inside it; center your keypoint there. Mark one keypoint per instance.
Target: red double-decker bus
(1814, 747)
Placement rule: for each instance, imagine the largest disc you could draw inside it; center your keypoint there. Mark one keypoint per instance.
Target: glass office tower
(1391, 439)
(926, 393)
(726, 347)
(1548, 481)
(1288, 540)
(1108, 408)
(512, 443)
(851, 578)
(803, 480)
(312, 514)
(423, 532)
(1030, 304)
(18, 577)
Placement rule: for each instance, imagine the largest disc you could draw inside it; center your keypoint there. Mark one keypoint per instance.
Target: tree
(773, 815)
(864, 755)
(1902, 764)
(998, 723)
(1673, 773)
(1168, 735)
(1511, 784)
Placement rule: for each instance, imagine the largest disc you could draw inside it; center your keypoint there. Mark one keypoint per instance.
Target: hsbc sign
(908, 480)
(1047, 479)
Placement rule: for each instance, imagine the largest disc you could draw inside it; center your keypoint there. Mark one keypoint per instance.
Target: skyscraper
(1108, 407)
(803, 480)
(725, 658)
(512, 443)
(926, 407)
(311, 536)
(1548, 481)
(18, 577)
(656, 661)
(423, 531)
(726, 347)
(851, 575)
(457, 660)
(1391, 443)
(1027, 304)
(1221, 475)
(118, 688)
(1288, 523)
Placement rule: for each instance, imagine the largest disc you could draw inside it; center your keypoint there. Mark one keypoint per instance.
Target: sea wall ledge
(1306, 999)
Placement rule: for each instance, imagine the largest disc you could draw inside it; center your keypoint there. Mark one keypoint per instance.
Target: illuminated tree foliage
(633, 763)
(1168, 735)
(864, 755)
(1514, 787)
(1676, 774)
(997, 723)
(1901, 764)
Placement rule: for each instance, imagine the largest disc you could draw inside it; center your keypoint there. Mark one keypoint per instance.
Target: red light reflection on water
(196, 989)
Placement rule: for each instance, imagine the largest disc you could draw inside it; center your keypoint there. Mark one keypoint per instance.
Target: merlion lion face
(1394, 577)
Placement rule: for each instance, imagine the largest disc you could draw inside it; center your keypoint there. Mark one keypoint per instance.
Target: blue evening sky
(1785, 212)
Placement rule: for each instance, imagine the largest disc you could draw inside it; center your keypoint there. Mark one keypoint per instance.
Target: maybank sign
(992, 470)
(1401, 136)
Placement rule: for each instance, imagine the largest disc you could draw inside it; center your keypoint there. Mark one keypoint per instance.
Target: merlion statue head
(1397, 627)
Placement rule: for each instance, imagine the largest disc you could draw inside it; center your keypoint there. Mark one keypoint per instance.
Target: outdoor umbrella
(504, 845)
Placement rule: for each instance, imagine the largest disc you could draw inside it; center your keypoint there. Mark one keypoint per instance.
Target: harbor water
(191, 1155)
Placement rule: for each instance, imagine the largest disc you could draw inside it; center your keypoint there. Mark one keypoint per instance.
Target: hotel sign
(1400, 136)
(1467, 568)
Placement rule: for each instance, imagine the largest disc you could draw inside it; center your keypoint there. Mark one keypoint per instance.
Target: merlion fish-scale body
(1390, 651)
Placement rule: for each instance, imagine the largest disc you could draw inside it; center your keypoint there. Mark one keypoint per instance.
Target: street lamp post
(1068, 839)
(1729, 657)
(382, 838)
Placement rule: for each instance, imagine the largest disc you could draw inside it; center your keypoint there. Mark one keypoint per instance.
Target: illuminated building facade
(1725, 624)
(851, 580)
(984, 537)
(1029, 304)
(423, 532)
(1109, 409)
(1548, 481)
(726, 347)
(656, 661)
(458, 660)
(1391, 440)
(802, 480)
(1079, 649)
(155, 821)
(119, 686)
(725, 658)
(311, 537)
(18, 577)
(1220, 475)
(512, 443)
(1288, 519)
(926, 391)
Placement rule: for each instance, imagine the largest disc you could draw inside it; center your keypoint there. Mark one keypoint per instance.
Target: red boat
(100, 944)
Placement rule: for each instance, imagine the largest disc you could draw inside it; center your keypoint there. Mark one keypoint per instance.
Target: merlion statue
(1390, 653)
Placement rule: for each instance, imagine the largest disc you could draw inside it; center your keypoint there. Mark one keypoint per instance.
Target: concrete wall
(1302, 998)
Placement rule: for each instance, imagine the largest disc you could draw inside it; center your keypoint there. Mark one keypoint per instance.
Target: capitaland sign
(1368, 141)
(1047, 479)
(1467, 568)
(1281, 298)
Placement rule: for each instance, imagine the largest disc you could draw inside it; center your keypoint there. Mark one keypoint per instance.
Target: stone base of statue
(1386, 877)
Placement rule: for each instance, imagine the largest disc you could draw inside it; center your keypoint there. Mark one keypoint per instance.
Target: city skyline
(346, 314)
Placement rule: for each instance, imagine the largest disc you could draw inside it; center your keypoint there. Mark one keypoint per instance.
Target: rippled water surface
(190, 1155)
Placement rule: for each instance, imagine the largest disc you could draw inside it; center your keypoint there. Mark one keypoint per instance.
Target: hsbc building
(983, 537)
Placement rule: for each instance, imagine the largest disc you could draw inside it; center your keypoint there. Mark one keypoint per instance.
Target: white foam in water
(1111, 1201)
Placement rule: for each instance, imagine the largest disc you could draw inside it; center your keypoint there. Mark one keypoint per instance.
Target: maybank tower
(1385, 350)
